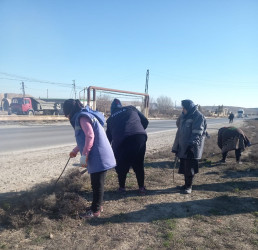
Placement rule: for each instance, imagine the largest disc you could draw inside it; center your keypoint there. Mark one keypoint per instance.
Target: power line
(38, 81)
(28, 79)
(78, 87)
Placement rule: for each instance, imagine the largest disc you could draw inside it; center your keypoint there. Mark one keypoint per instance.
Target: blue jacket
(124, 122)
(101, 156)
(191, 133)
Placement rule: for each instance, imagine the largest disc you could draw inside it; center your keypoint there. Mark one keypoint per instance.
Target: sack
(100, 117)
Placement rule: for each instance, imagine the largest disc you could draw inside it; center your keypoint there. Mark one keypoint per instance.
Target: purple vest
(101, 156)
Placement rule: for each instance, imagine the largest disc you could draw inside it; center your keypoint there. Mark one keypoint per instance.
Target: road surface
(21, 138)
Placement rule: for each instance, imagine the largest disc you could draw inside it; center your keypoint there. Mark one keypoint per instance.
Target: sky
(206, 51)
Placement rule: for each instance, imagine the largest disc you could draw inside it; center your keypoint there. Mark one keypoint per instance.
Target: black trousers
(237, 154)
(97, 184)
(131, 154)
(188, 167)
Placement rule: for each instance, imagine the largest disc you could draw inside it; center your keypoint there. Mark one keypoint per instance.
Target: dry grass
(221, 213)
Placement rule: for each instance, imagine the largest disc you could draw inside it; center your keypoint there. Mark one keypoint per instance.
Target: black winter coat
(124, 122)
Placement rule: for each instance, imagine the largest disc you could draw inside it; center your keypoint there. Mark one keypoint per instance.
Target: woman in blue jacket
(94, 147)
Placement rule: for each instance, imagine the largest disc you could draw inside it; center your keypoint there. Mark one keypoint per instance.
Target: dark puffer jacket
(124, 122)
(191, 134)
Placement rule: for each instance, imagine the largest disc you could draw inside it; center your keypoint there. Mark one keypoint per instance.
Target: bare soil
(221, 213)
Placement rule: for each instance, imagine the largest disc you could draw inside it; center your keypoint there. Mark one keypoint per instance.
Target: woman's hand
(73, 154)
(84, 161)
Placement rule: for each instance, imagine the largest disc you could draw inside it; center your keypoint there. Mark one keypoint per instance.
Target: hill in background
(249, 111)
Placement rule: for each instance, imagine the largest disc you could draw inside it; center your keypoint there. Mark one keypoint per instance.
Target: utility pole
(47, 93)
(23, 89)
(146, 99)
(147, 82)
(74, 89)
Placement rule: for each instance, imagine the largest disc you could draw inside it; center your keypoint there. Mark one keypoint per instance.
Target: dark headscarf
(188, 105)
(72, 106)
(115, 105)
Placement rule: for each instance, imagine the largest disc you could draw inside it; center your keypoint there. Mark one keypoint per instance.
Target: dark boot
(224, 156)
(238, 155)
(188, 184)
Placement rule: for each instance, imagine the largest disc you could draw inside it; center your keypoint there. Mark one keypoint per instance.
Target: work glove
(174, 151)
(84, 161)
(190, 152)
(73, 154)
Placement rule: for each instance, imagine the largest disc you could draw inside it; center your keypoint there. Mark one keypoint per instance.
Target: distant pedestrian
(232, 138)
(189, 142)
(94, 147)
(126, 131)
(231, 117)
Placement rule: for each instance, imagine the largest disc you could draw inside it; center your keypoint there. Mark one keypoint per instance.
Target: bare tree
(104, 103)
(219, 110)
(200, 108)
(164, 104)
(153, 108)
(204, 111)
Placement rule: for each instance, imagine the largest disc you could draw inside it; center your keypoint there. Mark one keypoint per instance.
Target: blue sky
(202, 50)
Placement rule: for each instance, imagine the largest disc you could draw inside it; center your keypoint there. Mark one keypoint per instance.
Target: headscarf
(188, 105)
(115, 105)
(72, 106)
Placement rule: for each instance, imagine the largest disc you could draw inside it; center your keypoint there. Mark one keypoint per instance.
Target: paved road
(14, 139)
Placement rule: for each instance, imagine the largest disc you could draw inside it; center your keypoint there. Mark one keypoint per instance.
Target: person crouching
(232, 138)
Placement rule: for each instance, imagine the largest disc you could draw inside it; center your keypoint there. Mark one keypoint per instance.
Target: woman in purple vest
(94, 147)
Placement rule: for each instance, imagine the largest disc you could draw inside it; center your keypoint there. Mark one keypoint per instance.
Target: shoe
(90, 214)
(222, 161)
(182, 187)
(89, 208)
(121, 190)
(240, 162)
(188, 190)
(142, 190)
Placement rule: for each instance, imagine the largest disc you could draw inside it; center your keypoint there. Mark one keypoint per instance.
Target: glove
(83, 161)
(190, 152)
(174, 151)
(73, 154)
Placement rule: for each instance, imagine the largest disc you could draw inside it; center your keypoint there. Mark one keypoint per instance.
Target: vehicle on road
(240, 113)
(33, 106)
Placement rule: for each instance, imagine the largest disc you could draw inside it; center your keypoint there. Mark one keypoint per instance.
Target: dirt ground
(221, 213)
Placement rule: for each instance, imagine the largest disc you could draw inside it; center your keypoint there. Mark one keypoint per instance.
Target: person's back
(231, 117)
(126, 132)
(232, 138)
(124, 122)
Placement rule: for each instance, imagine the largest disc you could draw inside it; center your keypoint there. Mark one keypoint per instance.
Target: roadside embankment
(7, 118)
